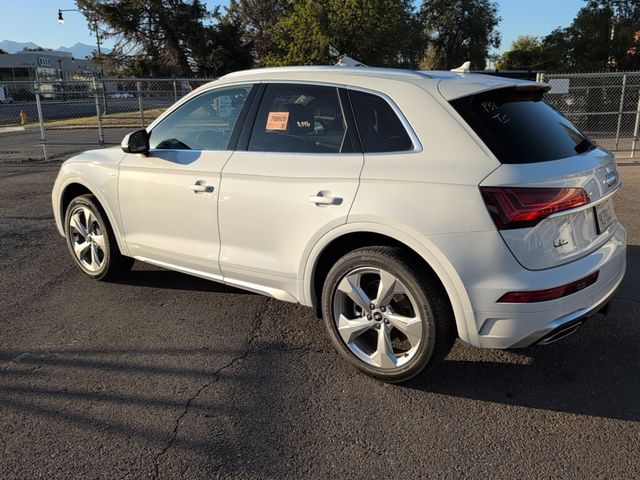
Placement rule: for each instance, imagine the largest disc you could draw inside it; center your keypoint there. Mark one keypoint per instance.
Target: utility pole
(95, 28)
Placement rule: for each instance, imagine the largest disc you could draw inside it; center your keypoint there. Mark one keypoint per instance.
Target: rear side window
(519, 127)
(300, 118)
(380, 128)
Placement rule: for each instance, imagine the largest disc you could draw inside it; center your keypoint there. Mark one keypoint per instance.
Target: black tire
(429, 297)
(112, 262)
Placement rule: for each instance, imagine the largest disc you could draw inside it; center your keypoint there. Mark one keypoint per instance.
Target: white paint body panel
(576, 230)
(257, 230)
(266, 218)
(163, 218)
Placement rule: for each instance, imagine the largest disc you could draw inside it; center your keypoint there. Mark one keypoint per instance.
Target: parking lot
(166, 376)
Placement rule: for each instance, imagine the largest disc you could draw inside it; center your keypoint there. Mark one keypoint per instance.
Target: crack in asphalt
(40, 289)
(216, 374)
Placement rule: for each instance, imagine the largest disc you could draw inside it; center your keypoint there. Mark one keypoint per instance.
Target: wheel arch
(76, 186)
(351, 236)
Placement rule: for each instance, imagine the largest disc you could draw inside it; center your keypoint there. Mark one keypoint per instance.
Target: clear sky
(36, 20)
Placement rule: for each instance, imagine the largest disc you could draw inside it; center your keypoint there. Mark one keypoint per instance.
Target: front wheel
(91, 241)
(388, 318)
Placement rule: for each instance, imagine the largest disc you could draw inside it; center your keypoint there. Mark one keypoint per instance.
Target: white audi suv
(408, 208)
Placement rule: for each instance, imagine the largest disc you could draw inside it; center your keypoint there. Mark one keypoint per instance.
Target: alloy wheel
(377, 318)
(87, 239)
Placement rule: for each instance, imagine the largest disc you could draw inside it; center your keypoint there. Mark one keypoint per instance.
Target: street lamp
(95, 27)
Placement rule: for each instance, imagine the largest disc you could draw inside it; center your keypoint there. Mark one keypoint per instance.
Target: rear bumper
(566, 325)
(544, 322)
(488, 270)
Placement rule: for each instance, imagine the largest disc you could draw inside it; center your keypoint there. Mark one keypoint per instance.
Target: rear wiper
(584, 146)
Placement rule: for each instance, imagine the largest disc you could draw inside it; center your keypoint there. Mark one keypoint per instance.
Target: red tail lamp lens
(533, 296)
(521, 207)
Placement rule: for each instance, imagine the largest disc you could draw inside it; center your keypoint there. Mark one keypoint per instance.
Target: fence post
(96, 96)
(43, 138)
(635, 128)
(139, 88)
(539, 77)
(624, 84)
(175, 91)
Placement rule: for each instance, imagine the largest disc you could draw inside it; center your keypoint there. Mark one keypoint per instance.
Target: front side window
(203, 123)
(300, 118)
(380, 128)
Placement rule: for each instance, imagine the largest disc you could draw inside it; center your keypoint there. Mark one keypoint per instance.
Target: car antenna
(464, 68)
(345, 61)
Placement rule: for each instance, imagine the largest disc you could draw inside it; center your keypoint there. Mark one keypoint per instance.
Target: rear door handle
(201, 187)
(321, 199)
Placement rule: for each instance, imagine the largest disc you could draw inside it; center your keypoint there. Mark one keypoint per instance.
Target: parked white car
(408, 208)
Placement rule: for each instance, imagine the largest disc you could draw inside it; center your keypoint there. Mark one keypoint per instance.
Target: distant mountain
(82, 50)
(14, 47)
(79, 50)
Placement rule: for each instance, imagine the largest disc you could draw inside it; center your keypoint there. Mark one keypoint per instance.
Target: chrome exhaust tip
(560, 333)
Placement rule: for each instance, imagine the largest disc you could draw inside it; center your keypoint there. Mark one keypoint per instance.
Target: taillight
(531, 296)
(520, 207)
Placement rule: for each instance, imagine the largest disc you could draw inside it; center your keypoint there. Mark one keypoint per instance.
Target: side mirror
(136, 142)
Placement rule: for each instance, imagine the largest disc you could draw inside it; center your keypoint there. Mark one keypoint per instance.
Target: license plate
(604, 216)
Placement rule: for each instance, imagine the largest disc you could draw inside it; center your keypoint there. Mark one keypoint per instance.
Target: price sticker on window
(277, 120)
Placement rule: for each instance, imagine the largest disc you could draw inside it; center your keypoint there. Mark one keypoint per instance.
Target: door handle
(201, 187)
(322, 199)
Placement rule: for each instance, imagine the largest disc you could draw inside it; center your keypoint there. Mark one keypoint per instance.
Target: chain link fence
(54, 120)
(605, 106)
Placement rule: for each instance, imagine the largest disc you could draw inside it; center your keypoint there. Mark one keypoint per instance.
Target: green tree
(376, 32)
(602, 36)
(222, 50)
(526, 52)
(557, 51)
(460, 30)
(167, 37)
(256, 19)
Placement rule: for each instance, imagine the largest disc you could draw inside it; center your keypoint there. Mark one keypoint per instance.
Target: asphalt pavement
(161, 375)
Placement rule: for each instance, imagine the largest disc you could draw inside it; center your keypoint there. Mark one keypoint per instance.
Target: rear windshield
(519, 127)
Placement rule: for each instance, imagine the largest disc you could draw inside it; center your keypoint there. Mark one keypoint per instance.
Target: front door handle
(201, 187)
(323, 199)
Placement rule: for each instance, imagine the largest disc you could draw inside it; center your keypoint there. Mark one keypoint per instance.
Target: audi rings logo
(44, 61)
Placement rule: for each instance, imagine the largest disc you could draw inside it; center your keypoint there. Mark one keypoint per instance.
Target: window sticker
(277, 121)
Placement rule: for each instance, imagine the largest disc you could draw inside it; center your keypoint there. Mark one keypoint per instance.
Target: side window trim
(239, 122)
(417, 145)
(352, 127)
(242, 118)
(249, 121)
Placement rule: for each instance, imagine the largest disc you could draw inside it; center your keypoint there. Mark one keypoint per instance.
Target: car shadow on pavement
(178, 424)
(152, 277)
(593, 372)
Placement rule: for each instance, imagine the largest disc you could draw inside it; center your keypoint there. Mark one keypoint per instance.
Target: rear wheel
(388, 318)
(91, 240)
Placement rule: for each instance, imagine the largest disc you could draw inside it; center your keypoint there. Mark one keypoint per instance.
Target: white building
(45, 66)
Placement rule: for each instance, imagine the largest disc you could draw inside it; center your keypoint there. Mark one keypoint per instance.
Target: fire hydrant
(23, 118)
